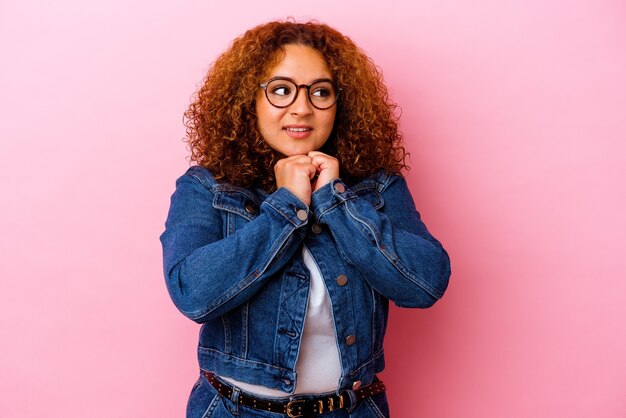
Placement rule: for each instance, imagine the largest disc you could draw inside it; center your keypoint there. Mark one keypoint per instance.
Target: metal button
(302, 215)
(350, 339)
(340, 188)
(250, 208)
(317, 228)
(356, 385)
(342, 279)
(287, 382)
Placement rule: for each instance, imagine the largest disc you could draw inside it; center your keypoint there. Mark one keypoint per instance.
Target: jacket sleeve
(208, 274)
(391, 247)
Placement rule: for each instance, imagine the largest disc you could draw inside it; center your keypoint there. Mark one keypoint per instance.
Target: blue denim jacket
(232, 261)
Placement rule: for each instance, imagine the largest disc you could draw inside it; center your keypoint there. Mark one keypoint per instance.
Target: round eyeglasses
(281, 92)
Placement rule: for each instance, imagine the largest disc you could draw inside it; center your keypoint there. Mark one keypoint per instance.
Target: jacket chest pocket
(368, 191)
(237, 207)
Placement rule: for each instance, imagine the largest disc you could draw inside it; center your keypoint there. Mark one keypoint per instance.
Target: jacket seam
(244, 284)
(395, 261)
(245, 360)
(371, 360)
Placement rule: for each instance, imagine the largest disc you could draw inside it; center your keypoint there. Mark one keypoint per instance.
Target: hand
(295, 173)
(327, 168)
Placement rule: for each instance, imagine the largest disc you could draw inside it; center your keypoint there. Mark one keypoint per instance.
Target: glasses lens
(323, 94)
(281, 92)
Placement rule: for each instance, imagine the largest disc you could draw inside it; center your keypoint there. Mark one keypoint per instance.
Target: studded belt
(298, 407)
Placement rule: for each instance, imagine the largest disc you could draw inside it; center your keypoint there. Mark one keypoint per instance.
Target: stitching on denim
(228, 190)
(244, 329)
(384, 181)
(372, 359)
(325, 211)
(364, 192)
(227, 334)
(204, 177)
(287, 216)
(339, 203)
(377, 239)
(374, 408)
(258, 272)
(395, 261)
(261, 365)
(212, 406)
(218, 203)
(230, 224)
(277, 353)
(287, 312)
(201, 180)
(234, 291)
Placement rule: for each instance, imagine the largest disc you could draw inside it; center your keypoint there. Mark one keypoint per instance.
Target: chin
(297, 151)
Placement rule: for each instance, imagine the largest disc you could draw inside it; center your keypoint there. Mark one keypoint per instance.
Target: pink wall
(515, 116)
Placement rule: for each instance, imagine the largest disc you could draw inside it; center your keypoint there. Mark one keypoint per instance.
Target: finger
(320, 156)
(312, 168)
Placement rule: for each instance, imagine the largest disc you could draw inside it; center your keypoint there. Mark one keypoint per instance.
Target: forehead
(301, 63)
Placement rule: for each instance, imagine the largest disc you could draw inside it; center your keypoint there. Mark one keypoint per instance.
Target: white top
(318, 368)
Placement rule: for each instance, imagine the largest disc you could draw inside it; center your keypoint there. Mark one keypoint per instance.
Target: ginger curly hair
(221, 122)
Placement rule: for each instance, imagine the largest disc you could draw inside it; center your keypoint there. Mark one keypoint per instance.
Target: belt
(298, 407)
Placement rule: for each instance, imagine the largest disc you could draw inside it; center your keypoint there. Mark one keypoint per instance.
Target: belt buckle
(289, 408)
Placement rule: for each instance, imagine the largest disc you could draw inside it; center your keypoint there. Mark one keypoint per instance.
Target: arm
(391, 247)
(208, 274)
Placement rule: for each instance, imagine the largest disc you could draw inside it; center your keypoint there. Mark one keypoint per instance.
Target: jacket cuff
(329, 196)
(289, 206)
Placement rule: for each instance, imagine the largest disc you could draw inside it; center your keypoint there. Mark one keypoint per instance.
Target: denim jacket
(232, 262)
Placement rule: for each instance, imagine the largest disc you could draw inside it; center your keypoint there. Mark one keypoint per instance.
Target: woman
(295, 228)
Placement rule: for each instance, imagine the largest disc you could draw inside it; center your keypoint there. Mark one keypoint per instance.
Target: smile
(298, 129)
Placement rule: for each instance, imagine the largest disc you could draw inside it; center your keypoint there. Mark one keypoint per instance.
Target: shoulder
(201, 175)
(381, 180)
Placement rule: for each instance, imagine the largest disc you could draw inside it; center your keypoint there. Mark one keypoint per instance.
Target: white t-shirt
(318, 367)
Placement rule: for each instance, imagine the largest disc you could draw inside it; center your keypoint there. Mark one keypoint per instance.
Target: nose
(302, 105)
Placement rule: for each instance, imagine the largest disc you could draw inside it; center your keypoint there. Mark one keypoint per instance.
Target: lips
(298, 131)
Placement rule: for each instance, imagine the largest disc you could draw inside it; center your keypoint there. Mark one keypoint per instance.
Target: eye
(281, 90)
(321, 92)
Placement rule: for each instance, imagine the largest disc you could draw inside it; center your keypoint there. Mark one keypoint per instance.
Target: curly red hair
(221, 123)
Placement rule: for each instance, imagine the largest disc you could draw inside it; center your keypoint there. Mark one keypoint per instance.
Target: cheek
(264, 118)
(268, 116)
(330, 121)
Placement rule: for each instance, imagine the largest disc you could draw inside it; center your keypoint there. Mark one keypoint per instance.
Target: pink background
(515, 114)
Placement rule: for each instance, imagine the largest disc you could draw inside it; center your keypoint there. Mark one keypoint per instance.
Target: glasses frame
(298, 87)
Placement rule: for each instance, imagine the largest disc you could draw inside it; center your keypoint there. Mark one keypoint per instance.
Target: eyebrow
(317, 80)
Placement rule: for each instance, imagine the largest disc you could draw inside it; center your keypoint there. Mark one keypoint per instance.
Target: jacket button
(350, 339)
(356, 385)
(342, 279)
(250, 208)
(302, 214)
(317, 228)
(340, 188)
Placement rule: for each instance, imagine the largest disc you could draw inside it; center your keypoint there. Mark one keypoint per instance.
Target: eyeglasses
(282, 92)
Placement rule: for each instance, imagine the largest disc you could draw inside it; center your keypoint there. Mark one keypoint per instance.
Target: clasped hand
(304, 174)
